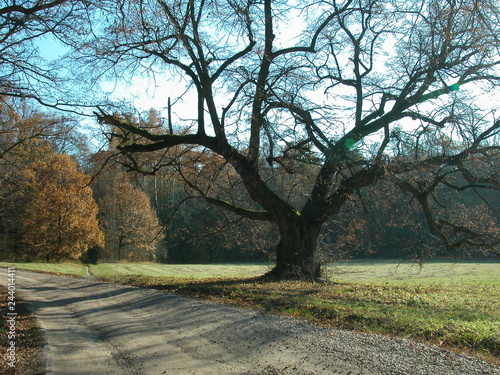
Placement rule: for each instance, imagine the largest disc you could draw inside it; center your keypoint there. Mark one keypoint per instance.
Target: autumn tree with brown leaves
(51, 212)
(46, 207)
(59, 214)
(130, 225)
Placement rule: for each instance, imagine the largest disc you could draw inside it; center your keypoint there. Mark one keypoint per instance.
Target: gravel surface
(100, 328)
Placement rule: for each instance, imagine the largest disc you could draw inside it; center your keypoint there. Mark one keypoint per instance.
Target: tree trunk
(296, 253)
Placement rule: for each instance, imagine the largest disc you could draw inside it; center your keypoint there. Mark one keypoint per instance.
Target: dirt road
(100, 328)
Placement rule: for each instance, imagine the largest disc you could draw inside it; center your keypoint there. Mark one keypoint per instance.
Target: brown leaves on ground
(28, 340)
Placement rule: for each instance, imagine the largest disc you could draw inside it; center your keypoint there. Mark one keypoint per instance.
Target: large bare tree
(359, 90)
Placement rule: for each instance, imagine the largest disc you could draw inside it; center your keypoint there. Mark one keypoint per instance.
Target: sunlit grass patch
(442, 272)
(184, 271)
(73, 269)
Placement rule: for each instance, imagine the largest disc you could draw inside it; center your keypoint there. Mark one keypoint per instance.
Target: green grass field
(452, 304)
(111, 271)
(409, 273)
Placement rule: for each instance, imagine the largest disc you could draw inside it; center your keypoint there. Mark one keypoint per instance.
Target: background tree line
(60, 201)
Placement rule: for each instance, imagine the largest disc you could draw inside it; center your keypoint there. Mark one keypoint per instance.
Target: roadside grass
(28, 340)
(71, 269)
(445, 303)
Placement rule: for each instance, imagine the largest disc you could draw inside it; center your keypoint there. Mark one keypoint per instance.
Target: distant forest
(61, 201)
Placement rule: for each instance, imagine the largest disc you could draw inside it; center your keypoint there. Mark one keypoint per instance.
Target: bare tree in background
(130, 225)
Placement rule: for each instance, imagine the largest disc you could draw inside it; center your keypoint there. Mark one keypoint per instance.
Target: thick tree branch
(250, 214)
(312, 46)
(32, 10)
(437, 226)
(159, 141)
(233, 59)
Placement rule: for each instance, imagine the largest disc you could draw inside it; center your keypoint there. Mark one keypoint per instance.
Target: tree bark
(296, 253)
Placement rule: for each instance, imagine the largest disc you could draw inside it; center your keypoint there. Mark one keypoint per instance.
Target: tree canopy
(24, 72)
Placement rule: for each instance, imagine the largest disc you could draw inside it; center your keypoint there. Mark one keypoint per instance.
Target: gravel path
(100, 328)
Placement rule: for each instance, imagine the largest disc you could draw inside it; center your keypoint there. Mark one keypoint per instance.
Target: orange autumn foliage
(59, 216)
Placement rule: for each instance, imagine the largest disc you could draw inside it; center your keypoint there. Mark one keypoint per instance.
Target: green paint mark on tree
(349, 143)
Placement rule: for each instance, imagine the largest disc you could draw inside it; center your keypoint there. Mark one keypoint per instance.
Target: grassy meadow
(446, 303)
